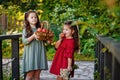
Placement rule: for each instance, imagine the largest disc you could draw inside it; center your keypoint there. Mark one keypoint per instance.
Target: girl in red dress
(67, 44)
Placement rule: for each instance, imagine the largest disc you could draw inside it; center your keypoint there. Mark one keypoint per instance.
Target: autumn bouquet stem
(75, 66)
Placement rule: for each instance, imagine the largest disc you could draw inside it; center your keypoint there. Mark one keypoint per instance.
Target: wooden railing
(107, 59)
(10, 25)
(15, 55)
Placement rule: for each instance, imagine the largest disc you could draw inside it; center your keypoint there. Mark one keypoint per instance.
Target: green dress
(34, 56)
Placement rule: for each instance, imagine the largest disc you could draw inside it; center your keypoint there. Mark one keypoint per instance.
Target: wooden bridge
(15, 55)
(107, 58)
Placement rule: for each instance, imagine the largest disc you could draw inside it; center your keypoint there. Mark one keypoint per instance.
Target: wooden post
(96, 57)
(1, 72)
(115, 69)
(107, 65)
(15, 63)
(101, 62)
(111, 59)
(3, 23)
(96, 61)
(99, 47)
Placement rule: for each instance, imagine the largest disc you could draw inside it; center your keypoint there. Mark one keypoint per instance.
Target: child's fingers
(69, 68)
(36, 37)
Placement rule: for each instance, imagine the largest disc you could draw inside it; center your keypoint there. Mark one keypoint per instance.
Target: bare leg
(37, 75)
(29, 75)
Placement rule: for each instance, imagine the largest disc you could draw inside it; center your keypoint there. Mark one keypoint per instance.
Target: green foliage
(96, 75)
(2, 10)
(7, 72)
(75, 66)
(88, 46)
(51, 50)
(57, 30)
(78, 57)
(107, 73)
(24, 5)
(72, 12)
(62, 13)
(83, 57)
(6, 49)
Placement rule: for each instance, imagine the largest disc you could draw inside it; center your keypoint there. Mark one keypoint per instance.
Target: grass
(78, 57)
(83, 57)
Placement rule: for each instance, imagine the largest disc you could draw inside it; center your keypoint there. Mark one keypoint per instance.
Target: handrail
(107, 59)
(112, 46)
(15, 55)
(2, 37)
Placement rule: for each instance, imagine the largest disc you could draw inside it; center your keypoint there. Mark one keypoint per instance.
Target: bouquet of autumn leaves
(44, 33)
(75, 66)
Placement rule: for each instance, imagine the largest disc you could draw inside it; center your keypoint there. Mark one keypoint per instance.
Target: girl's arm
(58, 43)
(25, 40)
(31, 38)
(69, 64)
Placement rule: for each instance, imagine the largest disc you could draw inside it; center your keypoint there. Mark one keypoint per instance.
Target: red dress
(64, 51)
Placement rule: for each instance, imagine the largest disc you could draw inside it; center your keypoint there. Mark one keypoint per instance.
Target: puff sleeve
(24, 39)
(69, 52)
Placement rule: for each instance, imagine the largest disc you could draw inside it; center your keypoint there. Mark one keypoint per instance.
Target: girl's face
(32, 19)
(67, 31)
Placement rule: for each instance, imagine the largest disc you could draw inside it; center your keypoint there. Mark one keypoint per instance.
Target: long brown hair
(75, 34)
(27, 24)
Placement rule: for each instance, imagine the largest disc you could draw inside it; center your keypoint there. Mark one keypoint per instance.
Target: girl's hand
(36, 37)
(69, 68)
(49, 41)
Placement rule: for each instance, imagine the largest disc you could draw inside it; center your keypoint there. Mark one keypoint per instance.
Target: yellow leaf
(103, 49)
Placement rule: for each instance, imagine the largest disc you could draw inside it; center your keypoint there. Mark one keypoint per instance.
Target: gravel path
(84, 72)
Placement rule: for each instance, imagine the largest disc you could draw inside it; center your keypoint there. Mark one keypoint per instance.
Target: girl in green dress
(34, 56)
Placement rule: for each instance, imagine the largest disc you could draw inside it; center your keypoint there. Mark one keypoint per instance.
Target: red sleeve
(69, 52)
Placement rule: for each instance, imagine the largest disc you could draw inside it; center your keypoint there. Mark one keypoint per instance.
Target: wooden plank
(107, 65)
(112, 46)
(15, 63)
(97, 60)
(3, 23)
(2, 37)
(102, 66)
(1, 71)
(96, 57)
(115, 69)
(15, 54)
